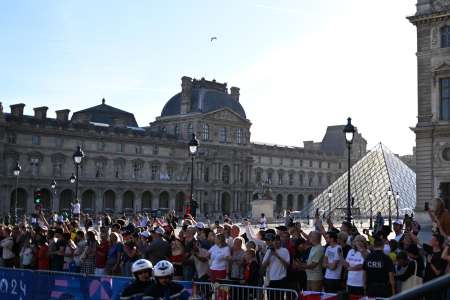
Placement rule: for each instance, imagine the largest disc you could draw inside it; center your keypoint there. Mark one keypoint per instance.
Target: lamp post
(193, 147)
(330, 195)
(389, 194)
(397, 199)
(16, 172)
(371, 211)
(77, 158)
(349, 131)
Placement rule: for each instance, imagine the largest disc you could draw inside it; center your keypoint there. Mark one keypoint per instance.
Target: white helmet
(141, 264)
(163, 268)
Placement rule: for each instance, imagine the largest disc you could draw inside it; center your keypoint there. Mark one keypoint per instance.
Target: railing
(441, 284)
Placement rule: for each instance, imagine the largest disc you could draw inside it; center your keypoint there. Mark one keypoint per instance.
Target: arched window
(205, 132)
(226, 174)
(239, 135)
(445, 37)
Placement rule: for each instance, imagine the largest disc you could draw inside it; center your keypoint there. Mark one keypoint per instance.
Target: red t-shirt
(101, 253)
(42, 258)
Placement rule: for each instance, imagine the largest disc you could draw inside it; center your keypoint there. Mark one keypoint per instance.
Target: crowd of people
(327, 258)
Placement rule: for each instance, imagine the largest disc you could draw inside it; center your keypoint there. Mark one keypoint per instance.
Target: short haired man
(379, 272)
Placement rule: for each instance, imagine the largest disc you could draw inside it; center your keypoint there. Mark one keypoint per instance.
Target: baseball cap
(398, 221)
(269, 237)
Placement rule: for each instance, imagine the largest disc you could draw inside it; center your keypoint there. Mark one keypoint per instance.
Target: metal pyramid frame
(371, 178)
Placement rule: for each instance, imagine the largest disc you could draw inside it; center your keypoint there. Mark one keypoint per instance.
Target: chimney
(40, 112)
(2, 116)
(62, 115)
(186, 88)
(17, 110)
(234, 92)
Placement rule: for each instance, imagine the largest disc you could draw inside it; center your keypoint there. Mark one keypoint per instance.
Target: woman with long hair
(114, 256)
(87, 265)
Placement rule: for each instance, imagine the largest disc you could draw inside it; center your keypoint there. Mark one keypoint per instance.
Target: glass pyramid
(371, 178)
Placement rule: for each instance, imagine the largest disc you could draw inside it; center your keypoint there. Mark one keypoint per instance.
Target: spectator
(101, 253)
(237, 260)
(26, 255)
(7, 244)
(87, 259)
(200, 256)
(251, 268)
(218, 259)
(114, 256)
(313, 264)
(415, 266)
(69, 265)
(436, 266)
(57, 253)
(296, 272)
(400, 269)
(354, 264)
(276, 261)
(159, 248)
(332, 262)
(177, 257)
(379, 272)
(79, 250)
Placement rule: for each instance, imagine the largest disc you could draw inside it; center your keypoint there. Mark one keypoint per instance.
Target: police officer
(379, 272)
(163, 287)
(142, 272)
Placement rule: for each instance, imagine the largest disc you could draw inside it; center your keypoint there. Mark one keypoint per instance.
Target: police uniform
(135, 289)
(172, 291)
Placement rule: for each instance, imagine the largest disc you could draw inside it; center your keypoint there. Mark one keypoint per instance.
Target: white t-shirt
(334, 254)
(355, 278)
(76, 208)
(218, 261)
(276, 270)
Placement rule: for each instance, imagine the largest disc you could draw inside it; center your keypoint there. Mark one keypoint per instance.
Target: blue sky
(301, 65)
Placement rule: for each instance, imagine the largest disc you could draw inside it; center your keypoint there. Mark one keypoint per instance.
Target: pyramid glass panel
(371, 178)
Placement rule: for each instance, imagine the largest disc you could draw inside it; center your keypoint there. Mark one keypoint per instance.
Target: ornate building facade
(132, 168)
(432, 130)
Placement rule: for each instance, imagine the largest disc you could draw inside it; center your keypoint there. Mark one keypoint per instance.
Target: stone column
(155, 200)
(172, 195)
(55, 200)
(119, 201)
(99, 203)
(30, 200)
(137, 201)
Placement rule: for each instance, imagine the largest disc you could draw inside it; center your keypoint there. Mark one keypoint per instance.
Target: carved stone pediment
(225, 114)
(441, 69)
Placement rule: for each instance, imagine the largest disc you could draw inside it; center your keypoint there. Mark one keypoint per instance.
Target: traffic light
(37, 197)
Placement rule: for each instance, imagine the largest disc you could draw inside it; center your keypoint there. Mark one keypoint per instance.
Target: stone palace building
(131, 168)
(432, 20)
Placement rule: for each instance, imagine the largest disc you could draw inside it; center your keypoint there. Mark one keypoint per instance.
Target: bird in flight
(213, 38)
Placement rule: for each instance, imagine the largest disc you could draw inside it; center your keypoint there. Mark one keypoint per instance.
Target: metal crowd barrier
(235, 291)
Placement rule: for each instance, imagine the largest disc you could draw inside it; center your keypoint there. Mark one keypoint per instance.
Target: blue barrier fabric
(41, 285)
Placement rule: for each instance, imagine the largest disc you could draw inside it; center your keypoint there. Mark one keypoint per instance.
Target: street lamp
(330, 194)
(389, 193)
(397, 199)
(16, 172)
(72, 178)
(349, 131)
(77, 158)
(371, 211)
(193, 148)
(53, 186)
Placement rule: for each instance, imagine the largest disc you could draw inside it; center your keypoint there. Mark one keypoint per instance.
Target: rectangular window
(12, 138)
(190, 130)
(170, 172)
(320, 165)
(35, 140)
(300, 179)
(280, 179)
(155, 149)
(445, 37)
(206, 175)
(138, 149)
(121, 148)
(301, 162)
(155, 172)
(310, 163)
(205, 132)
(445, 99)
(291, 179)
(101, 146)
(329, 165)
(222, 134)
(239, 136)
(59, 142)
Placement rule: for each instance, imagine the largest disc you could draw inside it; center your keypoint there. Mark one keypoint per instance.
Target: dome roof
(204, 100)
